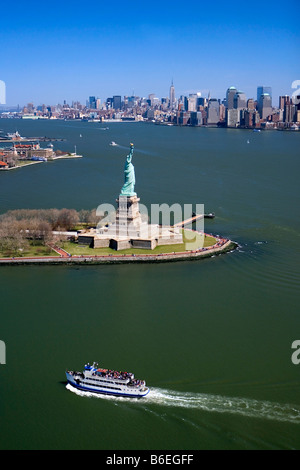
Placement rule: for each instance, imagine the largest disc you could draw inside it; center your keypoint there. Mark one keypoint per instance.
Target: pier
(32, 139)
(193, 218)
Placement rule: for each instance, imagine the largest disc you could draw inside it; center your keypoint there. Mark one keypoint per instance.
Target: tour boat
(108, 382)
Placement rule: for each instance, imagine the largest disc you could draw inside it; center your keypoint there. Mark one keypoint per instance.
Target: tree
(67, 219)
(12, 238)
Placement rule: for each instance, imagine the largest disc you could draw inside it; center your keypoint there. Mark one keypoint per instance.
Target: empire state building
(172, 96)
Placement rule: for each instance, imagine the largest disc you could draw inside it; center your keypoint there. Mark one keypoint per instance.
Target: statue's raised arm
(130, 155)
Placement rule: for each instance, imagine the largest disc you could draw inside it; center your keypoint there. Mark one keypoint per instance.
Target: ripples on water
(211, 403)
(266, 264)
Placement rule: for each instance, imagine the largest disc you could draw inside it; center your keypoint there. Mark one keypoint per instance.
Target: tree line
(19, 228)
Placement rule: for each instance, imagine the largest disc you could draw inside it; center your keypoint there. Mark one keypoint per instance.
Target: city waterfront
(212, 338)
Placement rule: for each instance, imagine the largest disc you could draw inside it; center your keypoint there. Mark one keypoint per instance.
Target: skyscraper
(151, 98)
(172, 96)
(232, 117)
(196, 118)
(264, 99)
(263, 89)
(239, 100)
(117, 102)
(92, 102)
(265, 105)
(251, 118)
(213, 112)
(250, 104)
(192, 102)
(229, 97)
(283, 100)
(290, 112)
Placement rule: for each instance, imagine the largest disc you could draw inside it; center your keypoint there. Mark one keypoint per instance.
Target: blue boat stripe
(87, 389)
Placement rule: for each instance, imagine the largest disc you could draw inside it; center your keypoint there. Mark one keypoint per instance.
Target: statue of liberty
(128, 187)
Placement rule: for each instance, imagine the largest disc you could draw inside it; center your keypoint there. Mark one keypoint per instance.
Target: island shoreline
(191, 255)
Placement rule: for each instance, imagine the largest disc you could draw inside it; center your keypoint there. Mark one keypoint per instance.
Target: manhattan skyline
(72, 51)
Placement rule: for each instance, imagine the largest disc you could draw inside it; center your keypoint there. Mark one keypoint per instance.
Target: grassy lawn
(192, 241)
(31, 250)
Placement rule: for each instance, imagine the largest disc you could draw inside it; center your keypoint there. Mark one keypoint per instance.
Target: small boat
(14, 136)
(113, 143)
(107, 382)
(38, 159)
(248, 141)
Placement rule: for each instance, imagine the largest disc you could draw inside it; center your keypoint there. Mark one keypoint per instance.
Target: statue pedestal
(128, 230)
(128, 211)
(129, 223)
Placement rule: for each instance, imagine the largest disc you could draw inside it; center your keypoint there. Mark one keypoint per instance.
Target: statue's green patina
(128, 187)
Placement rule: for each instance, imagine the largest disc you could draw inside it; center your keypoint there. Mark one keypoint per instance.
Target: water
(211, 403)
(212, 338)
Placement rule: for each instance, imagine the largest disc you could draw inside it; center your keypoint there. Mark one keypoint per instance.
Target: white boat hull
(116, 390)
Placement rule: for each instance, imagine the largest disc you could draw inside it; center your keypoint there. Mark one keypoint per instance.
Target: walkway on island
(60, 251)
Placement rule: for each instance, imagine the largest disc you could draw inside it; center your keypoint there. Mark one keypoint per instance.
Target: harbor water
(212, 338)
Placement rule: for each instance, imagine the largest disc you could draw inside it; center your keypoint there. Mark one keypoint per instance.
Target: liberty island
(125, 234)
(128, 229)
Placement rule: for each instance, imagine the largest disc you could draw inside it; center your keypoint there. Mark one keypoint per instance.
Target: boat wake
(210, 403)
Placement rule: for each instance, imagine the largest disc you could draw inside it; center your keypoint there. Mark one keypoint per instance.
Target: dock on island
(194, 217)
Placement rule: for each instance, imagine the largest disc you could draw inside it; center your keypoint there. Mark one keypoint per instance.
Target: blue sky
(55, 51)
